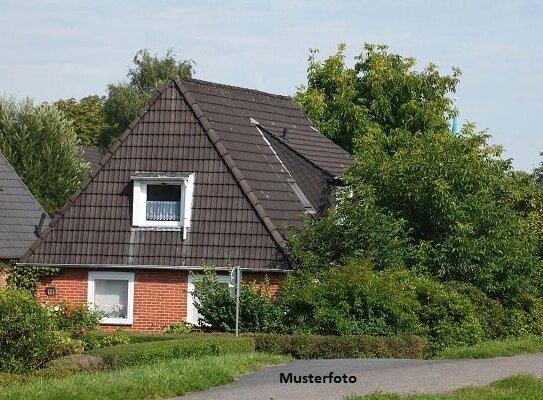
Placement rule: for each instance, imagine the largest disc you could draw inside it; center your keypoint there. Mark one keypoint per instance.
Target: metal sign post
(235, 282)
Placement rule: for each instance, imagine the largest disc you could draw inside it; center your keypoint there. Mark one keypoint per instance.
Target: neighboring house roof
(20, 214)
(244, 197)
(92, 155)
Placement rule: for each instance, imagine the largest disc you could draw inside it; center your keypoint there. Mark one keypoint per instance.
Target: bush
(149, 352)
(97, 340)
(66, 345)
(74, 318)
(179, 328)
(349, 300)
(329, 347)
(448, 318)
(26, 337)
(218, 307)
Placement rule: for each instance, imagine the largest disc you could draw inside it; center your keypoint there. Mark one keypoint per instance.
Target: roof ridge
(231, 165)
(244, 89)
(107, 156)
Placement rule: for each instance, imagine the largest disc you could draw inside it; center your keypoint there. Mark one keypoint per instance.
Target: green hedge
(324, 347)
(149, 352)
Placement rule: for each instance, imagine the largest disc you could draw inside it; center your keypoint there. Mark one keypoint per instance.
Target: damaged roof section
(21, 217)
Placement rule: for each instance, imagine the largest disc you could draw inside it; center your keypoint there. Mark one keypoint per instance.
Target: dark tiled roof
(92, 155)
(20, 213)
(242, 200)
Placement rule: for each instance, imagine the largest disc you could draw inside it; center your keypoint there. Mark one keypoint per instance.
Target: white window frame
(113, 276)
(139, 204)
(192, 312)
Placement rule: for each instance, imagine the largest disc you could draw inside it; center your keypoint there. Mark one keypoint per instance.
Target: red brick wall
(160, 297)
(259, 277)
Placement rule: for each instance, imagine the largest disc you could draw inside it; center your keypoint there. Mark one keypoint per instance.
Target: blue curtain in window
(163, 210)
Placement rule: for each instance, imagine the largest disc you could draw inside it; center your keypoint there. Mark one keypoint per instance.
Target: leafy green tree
(87, 116)
(42, 146)
(538, 173)
(381, 91)
(125, 99)
(444, 206)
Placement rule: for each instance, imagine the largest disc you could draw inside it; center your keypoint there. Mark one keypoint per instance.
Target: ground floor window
(112, 293)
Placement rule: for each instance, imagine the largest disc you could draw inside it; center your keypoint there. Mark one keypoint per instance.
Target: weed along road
(334, 379)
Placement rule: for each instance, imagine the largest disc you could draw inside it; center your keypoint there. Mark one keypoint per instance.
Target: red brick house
(206, 174)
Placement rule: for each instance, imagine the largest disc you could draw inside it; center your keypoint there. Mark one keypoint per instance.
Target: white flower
(56, 308)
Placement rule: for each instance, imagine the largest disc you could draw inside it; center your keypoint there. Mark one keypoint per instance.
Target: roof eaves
(45, 232)
(230, 163)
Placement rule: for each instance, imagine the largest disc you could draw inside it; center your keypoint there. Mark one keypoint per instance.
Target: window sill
(115, 321)
(157, 228)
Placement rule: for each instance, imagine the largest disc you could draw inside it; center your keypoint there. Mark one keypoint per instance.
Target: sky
(53, 49)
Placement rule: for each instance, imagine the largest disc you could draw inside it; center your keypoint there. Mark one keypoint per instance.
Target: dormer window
(162, 200)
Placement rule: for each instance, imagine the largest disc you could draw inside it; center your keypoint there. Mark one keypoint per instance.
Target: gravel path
(400, 376)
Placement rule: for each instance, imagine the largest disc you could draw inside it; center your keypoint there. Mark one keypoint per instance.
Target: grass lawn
(520, 387)
(163, 379)
(495, 348)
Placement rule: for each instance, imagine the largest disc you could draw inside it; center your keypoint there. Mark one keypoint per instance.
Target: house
(205, 174)
(21, 216)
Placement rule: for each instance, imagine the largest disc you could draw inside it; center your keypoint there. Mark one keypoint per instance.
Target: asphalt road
(399, 376)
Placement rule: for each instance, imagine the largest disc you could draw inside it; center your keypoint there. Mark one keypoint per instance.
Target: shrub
(66, 345)
(349, 300)
(179, 328)
(26, 337)
(149, 352)
(448, 318)
(328, 347)
(75, 318)
(97, 340)
(490, 313)
(218, 307)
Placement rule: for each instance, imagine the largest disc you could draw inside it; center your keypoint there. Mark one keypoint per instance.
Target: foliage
(41, 145)
(356, 300)
(161, 380)
(218, 307)
(125, 99)
(87, 117)
(93, 340)
(65, 344)
(149, 352)
(382, 91)
(74, 318)
(179, 328)
(538, 172)
(28, 278)
(26, 338)
(336, 347)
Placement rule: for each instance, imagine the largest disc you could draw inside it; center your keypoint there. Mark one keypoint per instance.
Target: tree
(538, 173)
(445, 206)
(41, 145)
(87, 116)
(382, 91)
(125, 99)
